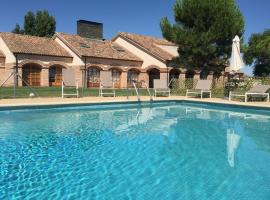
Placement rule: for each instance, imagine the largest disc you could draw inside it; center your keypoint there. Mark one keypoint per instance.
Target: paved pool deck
(88, 100)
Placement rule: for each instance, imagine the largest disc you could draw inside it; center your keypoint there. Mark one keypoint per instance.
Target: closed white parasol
(236, 62)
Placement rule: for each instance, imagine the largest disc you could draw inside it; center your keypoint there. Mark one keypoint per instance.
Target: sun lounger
(69, 81)
(255, 91)
(106, 83)
(160, 86)
(203, 86)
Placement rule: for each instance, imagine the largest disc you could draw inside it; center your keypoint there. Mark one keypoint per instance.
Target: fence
(24, 92)
(220, 89)
(179, 87)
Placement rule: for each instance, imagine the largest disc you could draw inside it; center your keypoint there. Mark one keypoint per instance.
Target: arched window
(116, 77)
(133, 75)
(189, 82)
(93, 77)
(31, 73)
(189, 74)
(55, 76)
(153, 74)
(173, 75)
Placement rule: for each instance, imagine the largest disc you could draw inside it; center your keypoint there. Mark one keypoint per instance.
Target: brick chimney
(89, 29)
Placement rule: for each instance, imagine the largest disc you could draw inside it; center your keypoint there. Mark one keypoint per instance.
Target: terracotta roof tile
(97, 48)
(150, 44)
(33, 45)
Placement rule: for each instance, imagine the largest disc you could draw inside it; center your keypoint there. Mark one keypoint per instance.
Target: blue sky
(139, 16)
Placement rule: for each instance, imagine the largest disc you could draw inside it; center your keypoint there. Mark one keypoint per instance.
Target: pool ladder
(137, 91)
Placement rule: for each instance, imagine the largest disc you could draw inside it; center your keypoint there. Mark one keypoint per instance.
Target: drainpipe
(168, 76)
(84, 77)
(15, 71)
(85, 74)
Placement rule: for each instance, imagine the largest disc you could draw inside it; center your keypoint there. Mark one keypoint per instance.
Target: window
(31, 74)
(116, 77)
(153, 74)
(55, 76)
(132, 75)
(93, 77)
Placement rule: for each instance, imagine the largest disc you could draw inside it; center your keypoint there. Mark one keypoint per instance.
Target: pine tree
(203, 31)
(40, 24)
(18, 30)
(45, 24)
(258, 53)
(29, 23)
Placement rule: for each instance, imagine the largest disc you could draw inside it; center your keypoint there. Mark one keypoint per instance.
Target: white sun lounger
(160, 86)
(106, 83)
(203, 86)
(69, 81)
(257, 90)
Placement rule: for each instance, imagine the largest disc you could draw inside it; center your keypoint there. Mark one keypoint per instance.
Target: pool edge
(144, 102)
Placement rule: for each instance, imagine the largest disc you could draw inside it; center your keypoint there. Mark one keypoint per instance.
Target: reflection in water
(147, 118)
(232, 145)
(200, 112)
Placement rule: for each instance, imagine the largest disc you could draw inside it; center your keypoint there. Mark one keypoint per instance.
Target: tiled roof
(2, 55)
(97, 48)
(150, 44)
(33, 45)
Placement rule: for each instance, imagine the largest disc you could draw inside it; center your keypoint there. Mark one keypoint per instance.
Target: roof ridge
(76, 35)
(24, 35)
(148, 36)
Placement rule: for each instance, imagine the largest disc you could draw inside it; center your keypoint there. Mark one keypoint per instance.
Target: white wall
(76, 59)
(170, 49)
(10, 58)
(147, 58)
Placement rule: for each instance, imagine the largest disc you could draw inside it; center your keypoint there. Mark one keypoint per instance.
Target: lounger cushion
(69, 77)
(204, 85)
(160, 84)
(106, 79)
(259, 89)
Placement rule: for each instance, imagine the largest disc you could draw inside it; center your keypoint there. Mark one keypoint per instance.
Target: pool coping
(43, 105)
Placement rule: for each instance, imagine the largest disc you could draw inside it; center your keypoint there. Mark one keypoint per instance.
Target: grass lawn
(23, 92)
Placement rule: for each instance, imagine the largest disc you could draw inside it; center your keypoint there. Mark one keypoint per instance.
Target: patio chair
(160, 86)
(106, 83)
(255, 91)
(203, 86)
(69, 81)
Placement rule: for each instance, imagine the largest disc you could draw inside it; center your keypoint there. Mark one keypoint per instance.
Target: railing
(147, 88)
(136, 90)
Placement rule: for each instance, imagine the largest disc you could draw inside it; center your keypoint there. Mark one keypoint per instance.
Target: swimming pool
(171, 150)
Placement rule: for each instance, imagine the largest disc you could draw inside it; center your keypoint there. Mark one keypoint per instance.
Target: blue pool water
(164, 151)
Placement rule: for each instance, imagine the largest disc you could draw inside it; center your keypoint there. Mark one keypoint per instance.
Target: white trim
(201, 92)
(231, 94)
(70, 94)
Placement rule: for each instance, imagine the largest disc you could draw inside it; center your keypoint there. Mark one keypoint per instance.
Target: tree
(45, 24)
(203, 31)
(41, 24)
(29, 23)
(18, 30)
(258, 53)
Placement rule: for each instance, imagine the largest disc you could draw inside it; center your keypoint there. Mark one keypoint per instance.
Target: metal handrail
(147, 88)
(136, 90)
